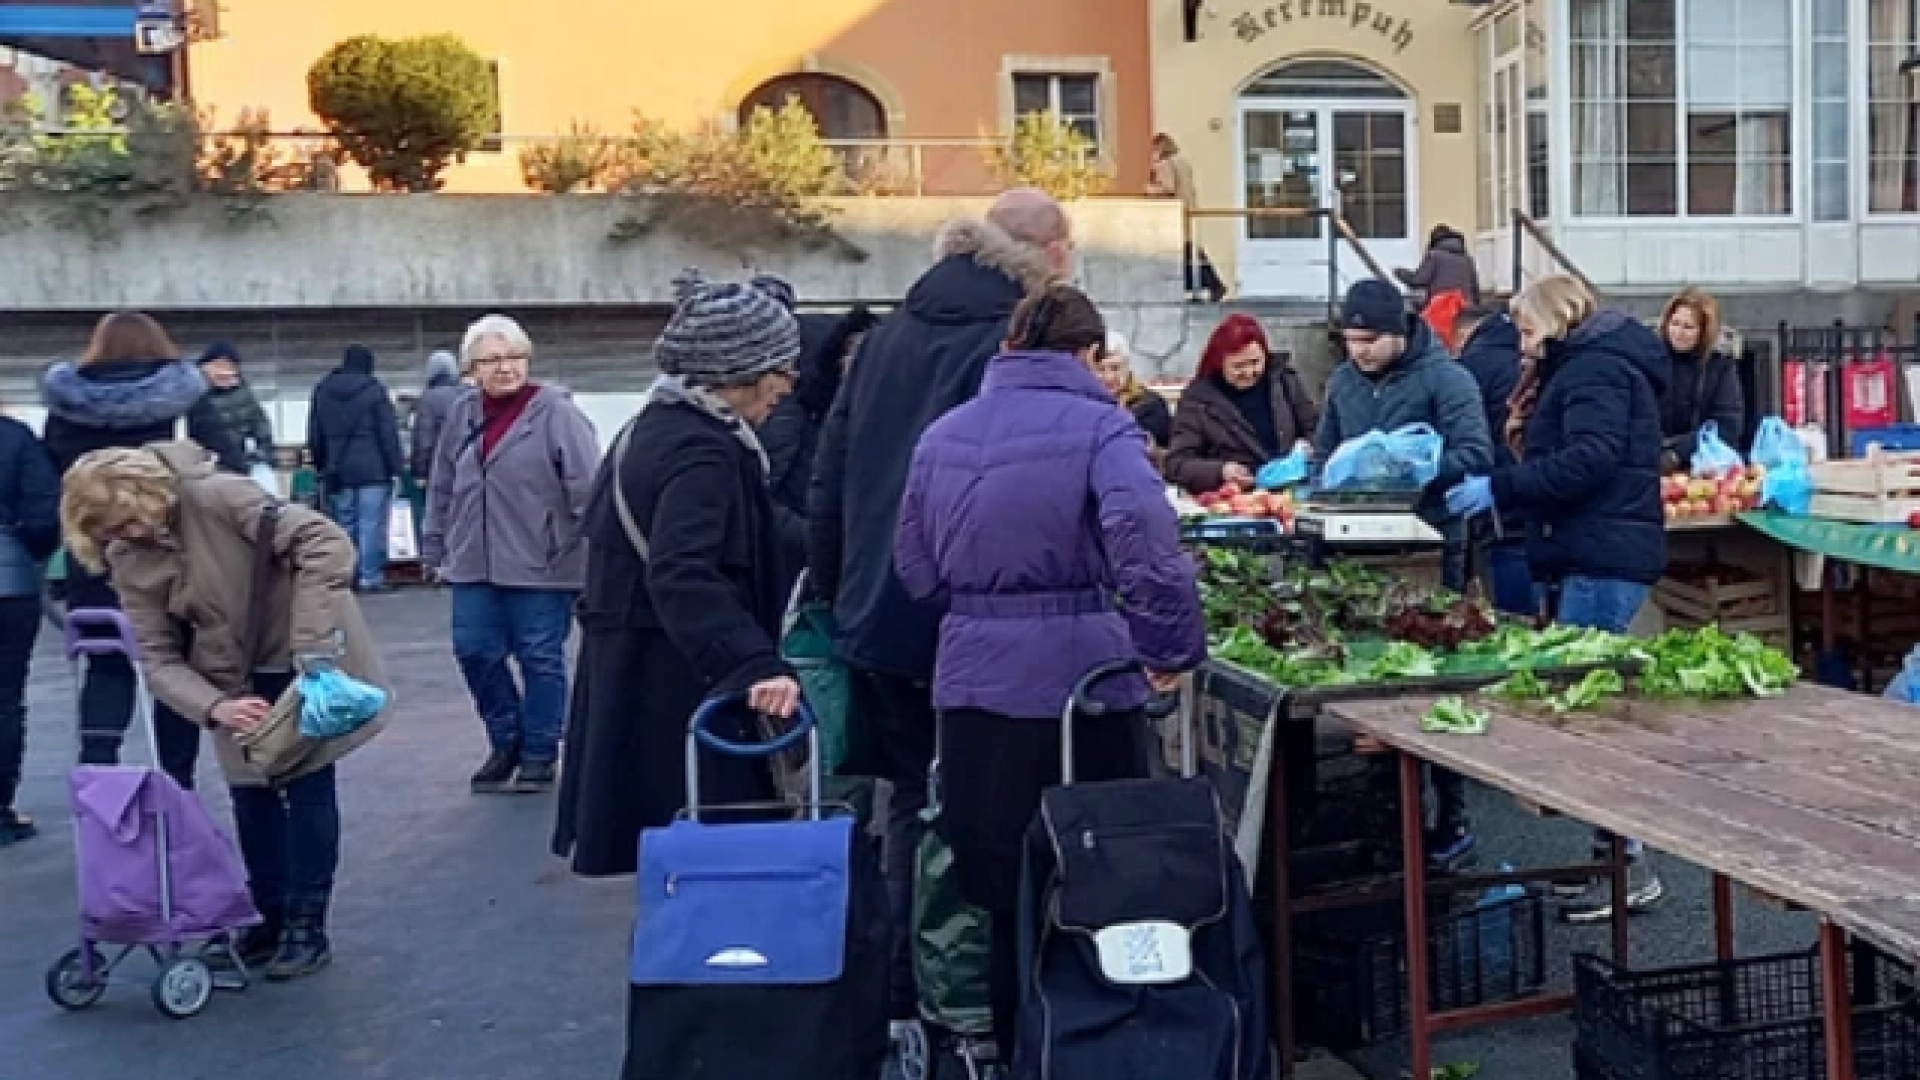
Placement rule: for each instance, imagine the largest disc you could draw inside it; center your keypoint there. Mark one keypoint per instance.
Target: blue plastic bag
(1406, 459)
(1283, 472)
(1905, 687)
(1789, 481)
(1712, 457)
(333, 704)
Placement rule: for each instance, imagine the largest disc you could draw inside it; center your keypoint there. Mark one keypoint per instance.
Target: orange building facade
(913, 88)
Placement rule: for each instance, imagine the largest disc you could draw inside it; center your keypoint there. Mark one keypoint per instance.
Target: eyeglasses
(497, 361)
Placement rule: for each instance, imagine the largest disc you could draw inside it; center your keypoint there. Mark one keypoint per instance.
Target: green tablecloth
(1889, 547)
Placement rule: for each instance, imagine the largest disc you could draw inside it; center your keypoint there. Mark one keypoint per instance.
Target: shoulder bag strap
(625, 512)
(261, 587)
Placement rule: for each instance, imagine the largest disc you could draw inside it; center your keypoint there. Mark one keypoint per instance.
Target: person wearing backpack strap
(685, 580)
(175, 531)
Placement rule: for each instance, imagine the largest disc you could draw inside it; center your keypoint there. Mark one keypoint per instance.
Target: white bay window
(1682, 108)
(1893, 118)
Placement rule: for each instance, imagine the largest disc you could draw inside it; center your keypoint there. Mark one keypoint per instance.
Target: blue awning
(62, 20)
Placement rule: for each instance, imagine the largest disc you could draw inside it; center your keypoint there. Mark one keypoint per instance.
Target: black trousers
(106, 699)
(899, 714)
(19, 625)
(993, 769)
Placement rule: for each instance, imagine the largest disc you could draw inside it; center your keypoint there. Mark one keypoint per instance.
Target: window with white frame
(1072, 96)
(1832, 112)
(1682, 108)
(1535, 65)
(1893, 115)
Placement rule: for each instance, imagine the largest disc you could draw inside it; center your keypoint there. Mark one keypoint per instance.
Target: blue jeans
(491, 623)
(362, 512)
(1602, 604)
(1511, 581)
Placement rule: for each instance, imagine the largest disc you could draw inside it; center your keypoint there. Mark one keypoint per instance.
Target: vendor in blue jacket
(1397, 373)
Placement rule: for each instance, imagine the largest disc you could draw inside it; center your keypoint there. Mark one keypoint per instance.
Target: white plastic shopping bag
(402, 545)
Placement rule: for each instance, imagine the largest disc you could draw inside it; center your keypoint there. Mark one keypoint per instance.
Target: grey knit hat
(725, 333)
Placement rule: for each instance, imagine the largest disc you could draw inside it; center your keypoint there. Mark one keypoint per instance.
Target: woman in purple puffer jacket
(1034, 517)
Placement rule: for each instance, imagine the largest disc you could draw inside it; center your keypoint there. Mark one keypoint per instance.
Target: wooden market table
(1807, 798)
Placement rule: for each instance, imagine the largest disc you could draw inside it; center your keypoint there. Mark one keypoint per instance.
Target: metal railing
(1337, 231)
(1524, 228)
(934, 166)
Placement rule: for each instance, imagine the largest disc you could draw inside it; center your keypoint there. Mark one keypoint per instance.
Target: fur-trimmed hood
(994, 248)
(122, 394)
(981, 275)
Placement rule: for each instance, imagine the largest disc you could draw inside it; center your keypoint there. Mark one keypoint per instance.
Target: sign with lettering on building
(1359, 15)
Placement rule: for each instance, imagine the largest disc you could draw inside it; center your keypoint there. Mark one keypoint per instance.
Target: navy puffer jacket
(1588, 481)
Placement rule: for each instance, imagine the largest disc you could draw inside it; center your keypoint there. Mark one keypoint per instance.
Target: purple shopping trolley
(155, 873)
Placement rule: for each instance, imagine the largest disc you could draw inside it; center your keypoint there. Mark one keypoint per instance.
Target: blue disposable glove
(1474, 495)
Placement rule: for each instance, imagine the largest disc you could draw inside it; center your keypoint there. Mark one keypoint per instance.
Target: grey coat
(429, 420)
(513, 520)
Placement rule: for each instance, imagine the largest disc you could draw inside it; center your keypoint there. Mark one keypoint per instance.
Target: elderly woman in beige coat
(179, 539)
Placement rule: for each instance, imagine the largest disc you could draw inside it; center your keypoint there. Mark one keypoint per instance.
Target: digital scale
(1364, 523)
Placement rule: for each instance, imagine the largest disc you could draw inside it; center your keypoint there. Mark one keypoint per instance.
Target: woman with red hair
(1244, 407)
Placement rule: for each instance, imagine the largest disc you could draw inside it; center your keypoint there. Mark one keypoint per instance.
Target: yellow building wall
(1424, 45)
(938, 67)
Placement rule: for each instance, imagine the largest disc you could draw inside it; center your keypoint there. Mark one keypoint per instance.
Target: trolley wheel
(183, 987)
(67, 982)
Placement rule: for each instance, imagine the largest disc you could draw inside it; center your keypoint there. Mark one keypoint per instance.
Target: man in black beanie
(228, 420)
(354, 440)
(1397, 373)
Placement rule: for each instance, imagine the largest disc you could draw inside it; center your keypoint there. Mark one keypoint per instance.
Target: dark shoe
(535, 777)
(303, 946)
(15, 827)
(256, 946)
(497, 774)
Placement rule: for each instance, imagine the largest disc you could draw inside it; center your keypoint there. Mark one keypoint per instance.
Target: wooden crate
(1776, 630)
(1717, 601)
(1879, 489)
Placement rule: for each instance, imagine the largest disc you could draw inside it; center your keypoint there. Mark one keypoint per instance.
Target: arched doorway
(841, 108)
(1324, 133)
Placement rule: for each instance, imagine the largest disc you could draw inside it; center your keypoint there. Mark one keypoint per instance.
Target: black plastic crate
(1350, 967)
(1739, 1019)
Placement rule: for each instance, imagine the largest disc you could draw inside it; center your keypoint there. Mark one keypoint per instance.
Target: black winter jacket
(1589, 481)
(713, 575)
(924, 360)
(791, 436)
(1492, 356)
(29, 509)
(352, 432)
(1702, 390)
(113, 403)
(226, 421)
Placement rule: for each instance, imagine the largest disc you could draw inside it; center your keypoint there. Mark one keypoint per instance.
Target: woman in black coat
(131, 388)
(685, 581)
(1705, 383)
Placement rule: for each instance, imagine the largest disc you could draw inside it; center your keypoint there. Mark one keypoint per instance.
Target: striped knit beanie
(726, 333)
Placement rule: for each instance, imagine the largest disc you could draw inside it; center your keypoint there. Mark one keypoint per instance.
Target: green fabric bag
(951, 943)
(807, 645)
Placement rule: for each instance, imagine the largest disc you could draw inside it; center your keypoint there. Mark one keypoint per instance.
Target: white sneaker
(1644, 889)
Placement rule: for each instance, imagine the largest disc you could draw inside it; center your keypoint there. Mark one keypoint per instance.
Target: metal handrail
(1523, 227)
(1341, 231)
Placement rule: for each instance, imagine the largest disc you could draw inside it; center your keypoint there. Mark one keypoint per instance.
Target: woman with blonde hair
(1706, 382)
(131, 387)
(1584, 426)
(181, 539)
(1114, 366)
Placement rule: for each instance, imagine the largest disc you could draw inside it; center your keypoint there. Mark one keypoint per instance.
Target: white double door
(1353, 156)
